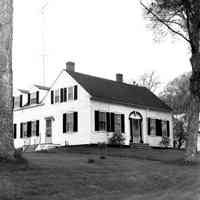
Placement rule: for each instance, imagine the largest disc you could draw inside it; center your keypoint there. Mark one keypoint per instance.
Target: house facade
(80, 109)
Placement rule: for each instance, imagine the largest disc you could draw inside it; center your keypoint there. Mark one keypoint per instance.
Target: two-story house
(81, 109)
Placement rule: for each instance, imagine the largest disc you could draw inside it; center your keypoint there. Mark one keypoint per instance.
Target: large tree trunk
(6, 105)
(193, 111)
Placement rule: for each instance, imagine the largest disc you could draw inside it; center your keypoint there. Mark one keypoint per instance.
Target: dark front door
(136, 132)
(48, 138)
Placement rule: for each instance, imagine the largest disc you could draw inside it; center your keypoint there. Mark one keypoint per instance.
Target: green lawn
(68, 176)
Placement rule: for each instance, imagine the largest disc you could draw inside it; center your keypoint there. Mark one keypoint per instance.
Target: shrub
(117, 139)
(165, 141)
(91, 160)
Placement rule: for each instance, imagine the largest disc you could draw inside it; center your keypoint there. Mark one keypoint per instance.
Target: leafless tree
(150, 81)
(182, 19)
(6, 108)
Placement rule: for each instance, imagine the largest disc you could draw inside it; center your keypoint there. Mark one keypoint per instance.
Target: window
(70, 93)
(152, 127)
(33, 98)
(118, 123)
(33, 128)
(18, 101)
(24, 130)
(48, 127)
(164, 128)
(70, 122)
(157, 127)
(102, 121)
(110, 122)
(57, 96)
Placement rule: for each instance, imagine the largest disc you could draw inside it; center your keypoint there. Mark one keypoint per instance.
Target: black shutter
(21, 100)
(29, 99)
(37, 128)
(52, 97)
(168, 129)
(29, 129)
(64, 123)
(75, 116)
(37, 97)
(65, 95)
(15, 131)
(75, 92)
(158, 127)
(61, 95)
(112, 122)
(122, 123)
(108, 122)
(21, 130)
(149, 126)
(96, 120)
(13, 102)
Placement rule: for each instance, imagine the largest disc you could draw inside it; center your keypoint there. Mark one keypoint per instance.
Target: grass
(68, 175)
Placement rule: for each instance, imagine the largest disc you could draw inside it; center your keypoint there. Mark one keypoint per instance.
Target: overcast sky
(103, 37)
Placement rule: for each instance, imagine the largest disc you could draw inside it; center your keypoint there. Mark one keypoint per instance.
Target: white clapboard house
(81, 109)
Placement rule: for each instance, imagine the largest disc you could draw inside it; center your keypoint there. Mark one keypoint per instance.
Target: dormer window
(57, 98)
(34, 97)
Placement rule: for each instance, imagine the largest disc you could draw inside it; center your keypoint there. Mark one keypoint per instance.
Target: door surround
(134, 115)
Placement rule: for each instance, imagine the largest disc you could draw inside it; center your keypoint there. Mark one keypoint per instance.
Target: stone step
(140, 146)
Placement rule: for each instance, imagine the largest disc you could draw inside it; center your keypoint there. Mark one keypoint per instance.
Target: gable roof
(106, 90)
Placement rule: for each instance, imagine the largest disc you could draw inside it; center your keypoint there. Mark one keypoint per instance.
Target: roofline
(129, 104)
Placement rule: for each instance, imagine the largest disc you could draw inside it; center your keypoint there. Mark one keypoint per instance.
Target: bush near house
(117, 139)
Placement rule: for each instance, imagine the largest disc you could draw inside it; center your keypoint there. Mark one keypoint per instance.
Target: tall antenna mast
(44, 55)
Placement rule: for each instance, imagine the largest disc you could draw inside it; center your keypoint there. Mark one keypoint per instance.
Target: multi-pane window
(33, 128)
(70, 93)
(70, 122)
(57, 99)
(110, 122)
(17, 102)
(118, 123)
(152, 127)
(102, 121)
(157, 127)
(33, 98)
(24, 130)
(64, 94)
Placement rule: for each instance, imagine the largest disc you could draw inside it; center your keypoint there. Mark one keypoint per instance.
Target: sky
(103, 37)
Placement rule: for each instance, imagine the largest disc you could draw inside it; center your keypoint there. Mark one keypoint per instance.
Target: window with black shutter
(158, 127)
(61, 95)
(37, 128)
(168, 129)
(149, 126)
(112, 122)
(75, 121)
(37, 97)
(64, 123)
(96, 119)
(29, 129)
(21, 101)
(122, 123)
(65, 95)
(29, 99)
(108, 122)
(21, 130)
(52, 97)
(75, 92)
(15, 131)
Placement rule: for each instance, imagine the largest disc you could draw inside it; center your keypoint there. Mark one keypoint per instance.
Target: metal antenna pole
(43, 8)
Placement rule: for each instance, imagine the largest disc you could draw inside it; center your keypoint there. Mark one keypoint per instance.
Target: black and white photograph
(99, 100)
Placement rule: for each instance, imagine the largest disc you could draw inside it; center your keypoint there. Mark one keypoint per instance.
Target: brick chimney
(70, 66)
(119, 78)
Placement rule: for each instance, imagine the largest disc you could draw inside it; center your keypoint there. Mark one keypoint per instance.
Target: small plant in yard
(91, 160)
(117, 139)
(102, 150)
(165, 141)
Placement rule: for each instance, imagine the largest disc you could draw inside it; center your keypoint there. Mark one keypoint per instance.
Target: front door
(48, 135)
(135, 130)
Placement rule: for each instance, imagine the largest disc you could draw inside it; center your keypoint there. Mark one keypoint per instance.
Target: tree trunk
(193, 111)
(6, 104)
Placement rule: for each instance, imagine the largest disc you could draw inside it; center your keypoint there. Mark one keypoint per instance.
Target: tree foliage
(149, 80)
(182, 18)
